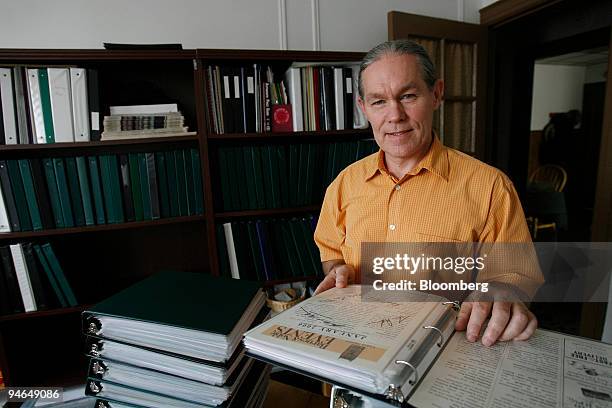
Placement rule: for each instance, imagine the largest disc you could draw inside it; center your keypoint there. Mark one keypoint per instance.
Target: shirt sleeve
(513, 259)
(331, 231)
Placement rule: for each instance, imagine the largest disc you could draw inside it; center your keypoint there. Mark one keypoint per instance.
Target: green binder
(59, 274)
(198, 187)
(293, 177)
(268, 179)
(107, 189)
(74, 187)
(172, 183)
(162, 184)
(53, 193)
(96, 189)
(282, 171)
(224, 180)
(45, 99)
(189, 183)
(249, 177)
(20, 196)
(30, 194)
(180, 178)
(81, 164)
(144, 186)
(115, 179)
(258, 176)
(50, 276)
(62, 188)
(255, 251)
(136, 186)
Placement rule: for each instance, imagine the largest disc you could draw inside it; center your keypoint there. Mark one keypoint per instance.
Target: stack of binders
(174, 340)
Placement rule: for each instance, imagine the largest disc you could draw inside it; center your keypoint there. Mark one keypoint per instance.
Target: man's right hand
(339, 276)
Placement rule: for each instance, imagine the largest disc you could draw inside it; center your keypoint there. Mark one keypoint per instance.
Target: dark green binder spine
(144, 187)
(53, 193)
(75, 191)
(115, 179)
(162, 184)
(96, 189)
(30, 194)
(20, 196)
(50, 276)
(224, 180)
(45, 99)
(107, 189)
(180, 176)
(198, 187)
(189, 183)
(136, 186)
(62, 188)
(59, 274)
(88, 212)
(173, 191)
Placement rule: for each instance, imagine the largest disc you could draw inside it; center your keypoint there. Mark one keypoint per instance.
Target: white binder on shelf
(339, 97)
(5, 225)
(8, 106)
(80, 108)
(294, 87)
(61, 106)
(23, 278)
(36, 106)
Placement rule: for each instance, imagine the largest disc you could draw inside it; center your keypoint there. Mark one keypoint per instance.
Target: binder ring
(93, 325)
(98, 367)
(441, 341)
(101, 404)
(456, 306)
(95, 387)
(414, 371)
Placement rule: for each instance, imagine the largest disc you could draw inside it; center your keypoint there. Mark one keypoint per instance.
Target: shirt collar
(435, 161)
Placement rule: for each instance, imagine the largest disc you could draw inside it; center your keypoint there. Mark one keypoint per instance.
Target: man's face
(399, 106)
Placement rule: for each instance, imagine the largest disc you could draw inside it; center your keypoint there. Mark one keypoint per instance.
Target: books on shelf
(279, 176)
(31, 278)
(48, 104)
(383, 352)
(173, 339)
(81, 191)
(241, 99)
(135, 121)
(265, 250)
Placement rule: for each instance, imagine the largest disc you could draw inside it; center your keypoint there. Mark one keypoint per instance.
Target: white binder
(5, 225)
(23, 278)
(294, 87)
(36, 106)
(80, 108)
(8, 106)
(61, 107)
(339, 96)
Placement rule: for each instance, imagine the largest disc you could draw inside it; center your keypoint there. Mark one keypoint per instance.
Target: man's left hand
(509, 321)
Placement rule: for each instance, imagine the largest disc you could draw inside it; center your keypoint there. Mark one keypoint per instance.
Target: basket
(279, 306)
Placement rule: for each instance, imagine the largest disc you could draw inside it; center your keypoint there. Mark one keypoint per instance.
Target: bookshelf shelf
(43, 313)
(302, 135)
(97, 228)
(99, 144)
(268, 212)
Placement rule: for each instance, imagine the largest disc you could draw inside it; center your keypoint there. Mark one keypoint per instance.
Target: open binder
(378, 348)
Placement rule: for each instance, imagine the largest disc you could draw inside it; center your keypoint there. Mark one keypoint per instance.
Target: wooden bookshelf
(116, 255)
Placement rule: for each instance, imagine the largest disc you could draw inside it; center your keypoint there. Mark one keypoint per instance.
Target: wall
(343, 25)
(556, 88)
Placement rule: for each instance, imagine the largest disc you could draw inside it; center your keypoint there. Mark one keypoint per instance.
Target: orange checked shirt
(448, 197)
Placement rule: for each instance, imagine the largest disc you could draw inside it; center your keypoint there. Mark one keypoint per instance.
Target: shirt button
(392, 227)
(397, 186)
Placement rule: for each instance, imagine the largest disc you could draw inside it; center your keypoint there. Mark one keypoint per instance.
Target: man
(416, 190)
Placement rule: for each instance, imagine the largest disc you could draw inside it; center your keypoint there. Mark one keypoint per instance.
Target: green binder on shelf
(62, 188)
(107, 189)
(196, 169)
(144, 186)
(96, 189)
(74, 187)
(56, 207)
(136, 187)
(30, 193)
(115, 179)
(282, 170)
(189, 183)
(59, 274)
(173, 191)
(45, 99)
(50, 276)
(267, 170)
(88, 212)
(255, 167)
(293, 176)
(249, 177)
(20, 196)
(162, 184)
(180, 178)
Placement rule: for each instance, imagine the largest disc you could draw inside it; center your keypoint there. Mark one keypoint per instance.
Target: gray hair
(400, 47)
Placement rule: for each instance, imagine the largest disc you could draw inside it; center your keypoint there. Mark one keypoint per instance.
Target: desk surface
(282, 395)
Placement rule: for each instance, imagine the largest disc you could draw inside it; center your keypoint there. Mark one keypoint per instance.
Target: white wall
(343, 25)
(556, 88)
